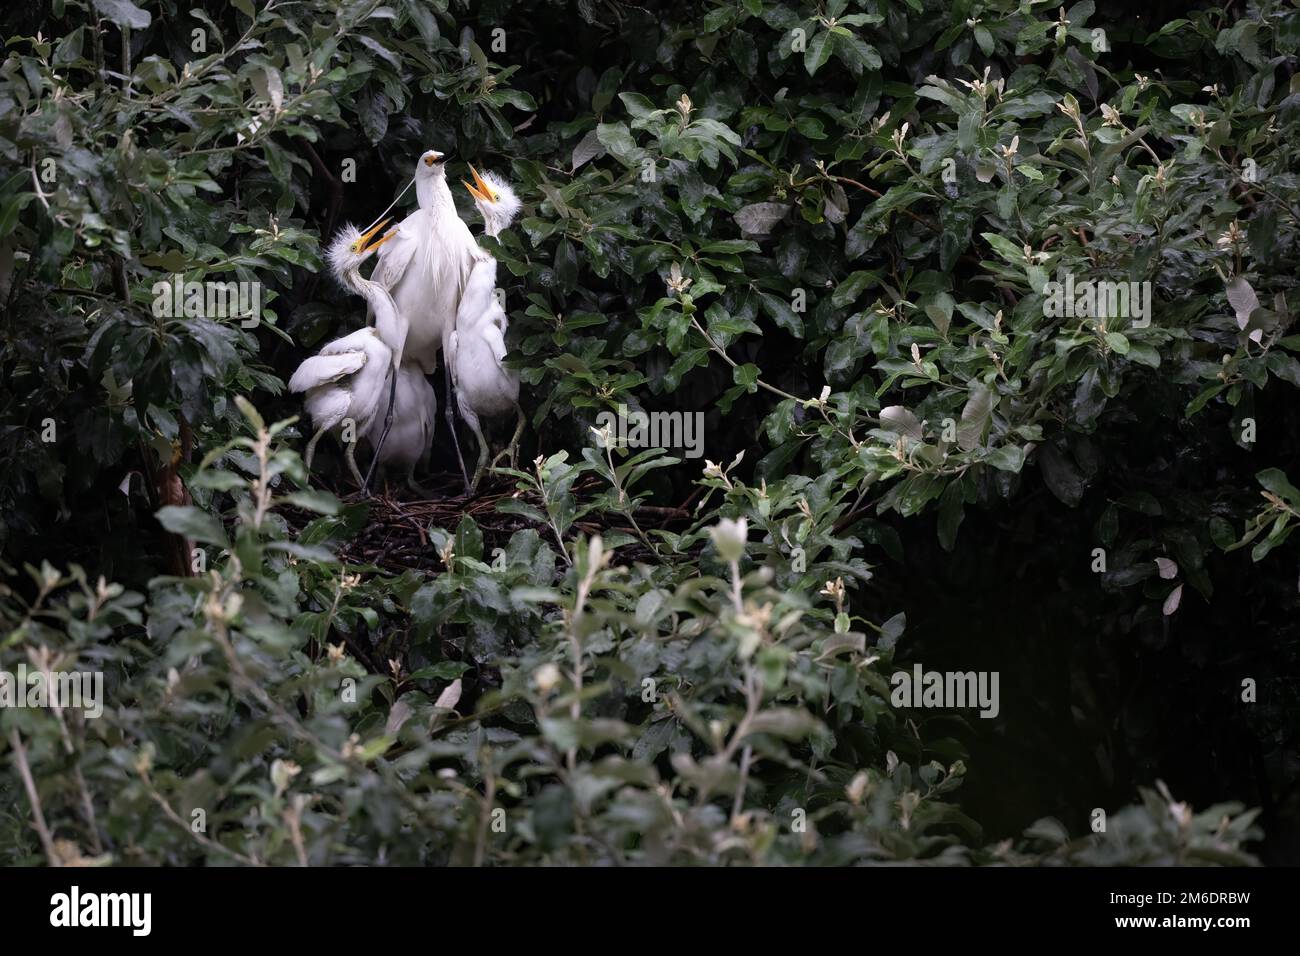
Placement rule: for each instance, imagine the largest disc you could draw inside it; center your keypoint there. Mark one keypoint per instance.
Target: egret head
(430, 165)
(496, 201)
(351, 247)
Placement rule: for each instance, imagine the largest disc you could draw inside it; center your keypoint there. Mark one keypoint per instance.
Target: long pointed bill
(394, 202)
(391, 234)
(483, 192)
(368, 241)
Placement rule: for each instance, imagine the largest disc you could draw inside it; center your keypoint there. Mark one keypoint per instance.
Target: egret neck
(389, 321)
(346, 255)
(426, 266)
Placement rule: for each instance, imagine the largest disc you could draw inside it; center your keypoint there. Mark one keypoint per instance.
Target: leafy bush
(830, 227)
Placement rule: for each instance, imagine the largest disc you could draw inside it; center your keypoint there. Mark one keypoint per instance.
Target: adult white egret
(425, 268)
(485, 388)
(347, 378)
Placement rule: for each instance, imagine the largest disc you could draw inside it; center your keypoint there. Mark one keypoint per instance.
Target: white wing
(395, 255)
(352, 342)
(479, 294)
(324, 369)
(328, 406)
(496, 342)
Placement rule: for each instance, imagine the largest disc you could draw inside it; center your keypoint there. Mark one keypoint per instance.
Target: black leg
(383, 436)
(450, 413)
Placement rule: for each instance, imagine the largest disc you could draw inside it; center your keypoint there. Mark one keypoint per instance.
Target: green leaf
(469, 539)
(1007, 458)
(901, 421)
(1201, 400)
(729, 246)
(1243, 300)
(847, 292)
(1275, 480)
(791, 723)
(818, 52)
(782, 314)
(747, 376)
(760, 218)
(195, 523)
(1284, 367)
(939, 309)
(1007, 249)
(127, 14)
(321, 502)
(617, 138)
(975, 417)
(1060, 475)
(441, 671)
(951, 513)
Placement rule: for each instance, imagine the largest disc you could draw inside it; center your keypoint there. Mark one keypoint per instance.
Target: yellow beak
(366, 246)
(483, 192)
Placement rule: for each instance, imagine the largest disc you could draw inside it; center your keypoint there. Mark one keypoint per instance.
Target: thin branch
(176, 818)
(36, 183)
(38, 816)
(730, 361)
(877, 194)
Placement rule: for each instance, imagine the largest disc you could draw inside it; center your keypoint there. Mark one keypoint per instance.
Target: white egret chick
(485, 388)
(410, 440)
(347, 379)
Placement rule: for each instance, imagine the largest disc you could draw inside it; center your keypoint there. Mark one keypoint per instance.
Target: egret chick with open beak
(485, 388)
(346, 379)
(496, 201)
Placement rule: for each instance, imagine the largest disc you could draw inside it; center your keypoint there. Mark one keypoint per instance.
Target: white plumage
(425, 269)
(427, 263)
(347, 379)
(415, 410)
(485, 387)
